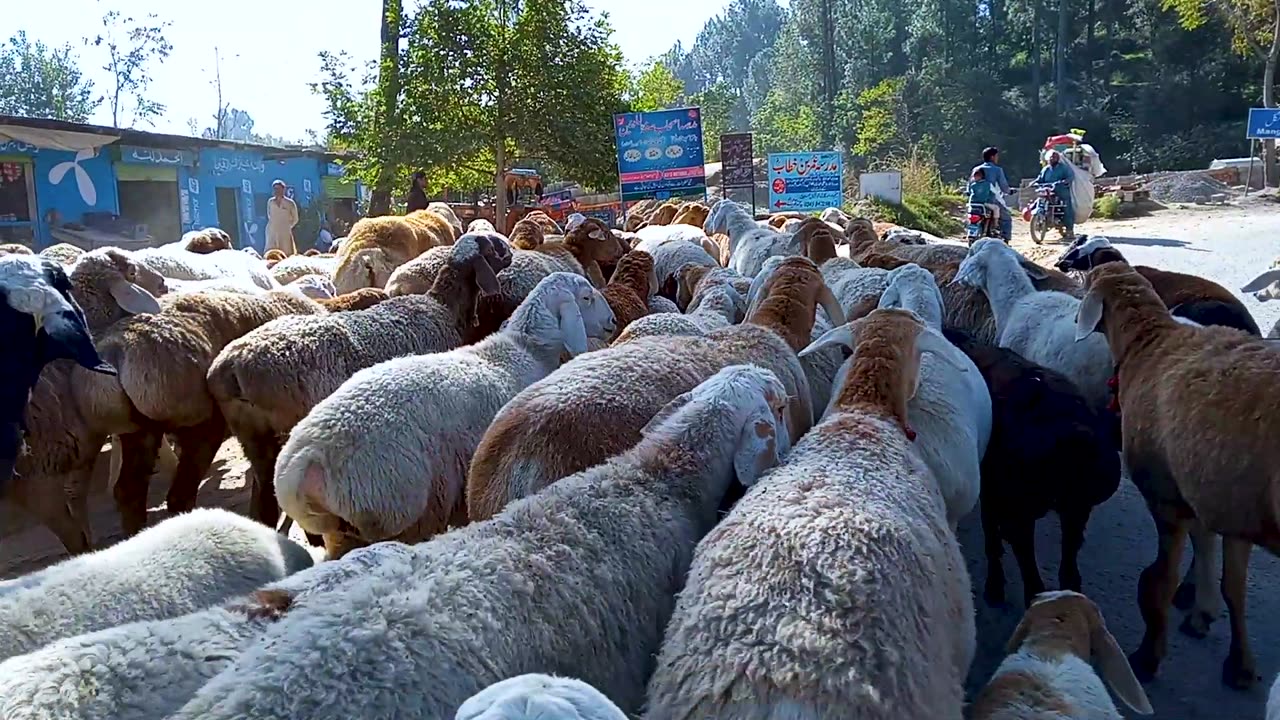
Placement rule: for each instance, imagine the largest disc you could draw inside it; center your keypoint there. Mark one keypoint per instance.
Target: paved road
(1229, 246)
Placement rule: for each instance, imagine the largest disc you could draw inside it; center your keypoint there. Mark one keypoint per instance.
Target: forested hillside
(943, 78)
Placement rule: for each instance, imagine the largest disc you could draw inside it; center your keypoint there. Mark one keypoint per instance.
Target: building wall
(71, 183)
(251, 175)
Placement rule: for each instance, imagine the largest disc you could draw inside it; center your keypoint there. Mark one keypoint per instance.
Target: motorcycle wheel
(1039, 228)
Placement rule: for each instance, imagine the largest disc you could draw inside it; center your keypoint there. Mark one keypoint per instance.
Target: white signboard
(886, 186)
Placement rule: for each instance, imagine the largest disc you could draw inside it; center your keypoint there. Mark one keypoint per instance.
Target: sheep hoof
(1185, 597)
(1196, 624)
(1144, 665)
(1237, 674)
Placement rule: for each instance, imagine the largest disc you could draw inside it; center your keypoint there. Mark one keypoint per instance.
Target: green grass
(932, 213)
(1106, 207)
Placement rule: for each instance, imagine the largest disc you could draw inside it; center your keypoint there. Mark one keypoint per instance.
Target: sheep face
(718, 218)
(486, 254)
(759, 402)
(1083, 253)
(578, 309)
(42, 322)
(544, 696)
(369, 267)
(598, 240)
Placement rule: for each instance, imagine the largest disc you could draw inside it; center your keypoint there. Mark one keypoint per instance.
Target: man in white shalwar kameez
(282, 215)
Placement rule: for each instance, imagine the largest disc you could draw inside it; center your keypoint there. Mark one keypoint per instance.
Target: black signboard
(737, 169)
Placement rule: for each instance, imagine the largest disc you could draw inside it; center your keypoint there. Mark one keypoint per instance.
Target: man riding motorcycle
(1059, 174)
(995, 175)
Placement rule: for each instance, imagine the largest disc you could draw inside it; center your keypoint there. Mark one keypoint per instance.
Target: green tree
(782, 126)
(655, 87)
(39, 81)
(131, 46)
(717, 104)
(485, 84)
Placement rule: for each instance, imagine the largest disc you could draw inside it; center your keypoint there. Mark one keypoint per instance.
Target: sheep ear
(596, 234)
(667, 411)
(1262, 281)
(133, 299)
(486, 279)
(1116, 671)
(653, 282)
(969, 273)
(1034, 271)
(572, 329)
(69, 338)
(1019, 635)
(829, 303)
(844, 336)
(1088, 315)
(757, 449)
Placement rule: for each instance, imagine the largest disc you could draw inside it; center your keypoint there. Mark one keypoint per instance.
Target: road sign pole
(1253, 144)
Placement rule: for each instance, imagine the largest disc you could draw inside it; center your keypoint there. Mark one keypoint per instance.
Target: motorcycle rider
(982, 191)
(995, 174)
(1059, 174)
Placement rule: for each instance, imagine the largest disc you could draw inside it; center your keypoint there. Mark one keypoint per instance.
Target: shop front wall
(251, 175)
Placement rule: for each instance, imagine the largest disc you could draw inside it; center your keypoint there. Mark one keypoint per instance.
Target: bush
(932, 213)
(1106, 207)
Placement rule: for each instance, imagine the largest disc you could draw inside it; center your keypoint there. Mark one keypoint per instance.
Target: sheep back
(377, 246)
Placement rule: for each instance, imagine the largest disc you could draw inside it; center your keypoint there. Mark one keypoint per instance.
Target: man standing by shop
(282, 215)
(995, 175)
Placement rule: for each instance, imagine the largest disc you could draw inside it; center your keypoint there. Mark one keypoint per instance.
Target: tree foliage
(536, 81)
(655, 87)
(131, 45)
(39, 81)
(885, 78)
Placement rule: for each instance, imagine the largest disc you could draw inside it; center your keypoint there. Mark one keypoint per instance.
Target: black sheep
(1048, 451)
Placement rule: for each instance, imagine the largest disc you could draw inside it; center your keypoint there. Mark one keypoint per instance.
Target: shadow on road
(1154, 242)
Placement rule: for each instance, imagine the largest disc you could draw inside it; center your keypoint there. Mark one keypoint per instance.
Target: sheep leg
(993, 591)
(1156, 586)
(58, 506)
(1240, 670)
(262, 448)
(1073, 525)
(197, 446)
(1206, 603)
(1022, 538)
(138, 453)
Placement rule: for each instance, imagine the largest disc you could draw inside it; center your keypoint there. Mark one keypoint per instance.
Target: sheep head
(635, 270)
(860, 234)
(787, 299)
(273, 256)
(595, 241)
(759, 405)
(692, 213)
(527, 235)
(1087, 252)
(486, 254)
(687, 279)
(817, 242)
(567, 307)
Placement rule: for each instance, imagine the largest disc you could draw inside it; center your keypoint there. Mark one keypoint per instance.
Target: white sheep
(836, 583)
(149, 669)
(183, 564)
(578, 579)
(1266, 286)
(481, 225)
(1049, 674)
(534, 696)
(951, 410)
(1038, 325)
(749, 243)
(296, 266)
(174, 261)
(672, 247)
(316, 287)
(347, 466)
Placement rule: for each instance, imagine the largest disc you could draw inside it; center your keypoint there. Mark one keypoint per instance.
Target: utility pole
(217, 82)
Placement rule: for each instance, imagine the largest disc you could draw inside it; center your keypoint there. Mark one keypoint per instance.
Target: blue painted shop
(93, 186)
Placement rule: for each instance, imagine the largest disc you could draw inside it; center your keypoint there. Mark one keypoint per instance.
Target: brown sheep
(379, 245)
(207, 240)
(691, 213)
(789, 299)
(663, 215)
(861, 235)
(352, 301)
(544, 221)
(1198, 409)
(817, 241)
(527, 235)
(273, 256)
(629, 289)
(638, 214)
(589, 244)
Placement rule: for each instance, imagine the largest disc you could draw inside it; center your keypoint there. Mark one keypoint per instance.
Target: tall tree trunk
(1269, 100)
(1036, 21)
(828, 75)
(1060, 61)
(898, 60)
(1088, 50)
(500, 123)
(997, 27)
(387, 120)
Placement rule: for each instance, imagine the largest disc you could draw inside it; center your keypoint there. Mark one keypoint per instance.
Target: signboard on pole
(660, 152)
(1264, 124)
(805, 181)
(737, 161)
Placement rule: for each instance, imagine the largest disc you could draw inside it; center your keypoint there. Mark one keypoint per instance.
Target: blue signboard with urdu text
(805, 181)
(660, 152)
(1264, 124)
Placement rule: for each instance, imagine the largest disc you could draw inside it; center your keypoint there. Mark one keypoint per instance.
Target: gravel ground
(1227, 244)
(1186, 188)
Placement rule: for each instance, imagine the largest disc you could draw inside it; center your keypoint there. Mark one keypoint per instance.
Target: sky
(268, 49)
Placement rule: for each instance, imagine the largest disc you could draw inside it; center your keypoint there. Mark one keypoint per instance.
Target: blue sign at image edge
(1263, 124)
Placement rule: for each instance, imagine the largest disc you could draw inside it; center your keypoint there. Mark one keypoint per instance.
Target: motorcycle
(1047, 212)
(983, 223)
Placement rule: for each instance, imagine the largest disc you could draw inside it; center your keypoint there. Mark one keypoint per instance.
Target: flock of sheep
(701, 467)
